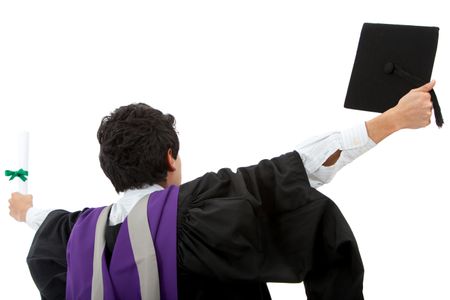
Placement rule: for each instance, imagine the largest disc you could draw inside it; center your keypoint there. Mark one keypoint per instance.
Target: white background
(246, 80)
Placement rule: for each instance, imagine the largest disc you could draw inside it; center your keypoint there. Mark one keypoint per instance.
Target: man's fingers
(426, 87)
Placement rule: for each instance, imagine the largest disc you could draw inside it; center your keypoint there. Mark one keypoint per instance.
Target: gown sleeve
(47, 256)
(265, 223)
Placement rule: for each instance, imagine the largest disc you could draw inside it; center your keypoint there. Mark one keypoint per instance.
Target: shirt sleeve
(315, 151)
(35, 217)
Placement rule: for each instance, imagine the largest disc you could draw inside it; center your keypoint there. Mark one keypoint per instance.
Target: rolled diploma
(23, 159)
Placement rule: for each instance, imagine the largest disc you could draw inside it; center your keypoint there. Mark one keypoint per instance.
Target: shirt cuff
(36, 216)
(355, 137)
(354, 142)
(314, 152)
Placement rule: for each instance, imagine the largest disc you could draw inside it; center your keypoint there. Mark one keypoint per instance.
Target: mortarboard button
(389, 68)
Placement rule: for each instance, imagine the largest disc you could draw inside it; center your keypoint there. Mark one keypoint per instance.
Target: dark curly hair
(134, 141)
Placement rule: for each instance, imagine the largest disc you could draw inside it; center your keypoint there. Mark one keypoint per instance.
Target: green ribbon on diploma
(22, 174)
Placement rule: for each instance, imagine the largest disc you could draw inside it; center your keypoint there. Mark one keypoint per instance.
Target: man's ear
(171, 166)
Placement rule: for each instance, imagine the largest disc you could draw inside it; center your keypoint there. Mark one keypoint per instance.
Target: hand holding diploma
(19, 203)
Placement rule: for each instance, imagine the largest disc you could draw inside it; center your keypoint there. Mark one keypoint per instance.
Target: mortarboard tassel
(437, 109)
(391, 68)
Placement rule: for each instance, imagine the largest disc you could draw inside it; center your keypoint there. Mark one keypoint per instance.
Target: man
(220, 236)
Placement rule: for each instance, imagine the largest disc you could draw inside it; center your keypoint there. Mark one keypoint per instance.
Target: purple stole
(144, 260)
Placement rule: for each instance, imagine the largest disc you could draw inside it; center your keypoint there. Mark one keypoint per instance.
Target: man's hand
(19, 205)
(412, 111)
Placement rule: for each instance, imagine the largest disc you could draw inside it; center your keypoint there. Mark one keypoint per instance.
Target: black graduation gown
(235, 232)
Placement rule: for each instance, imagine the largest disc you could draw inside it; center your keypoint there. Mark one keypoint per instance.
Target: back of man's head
(134, 142)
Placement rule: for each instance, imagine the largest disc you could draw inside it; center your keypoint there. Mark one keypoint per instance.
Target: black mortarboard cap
(390, 61)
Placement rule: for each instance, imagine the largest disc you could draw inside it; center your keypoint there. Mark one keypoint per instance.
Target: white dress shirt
(314, 152)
